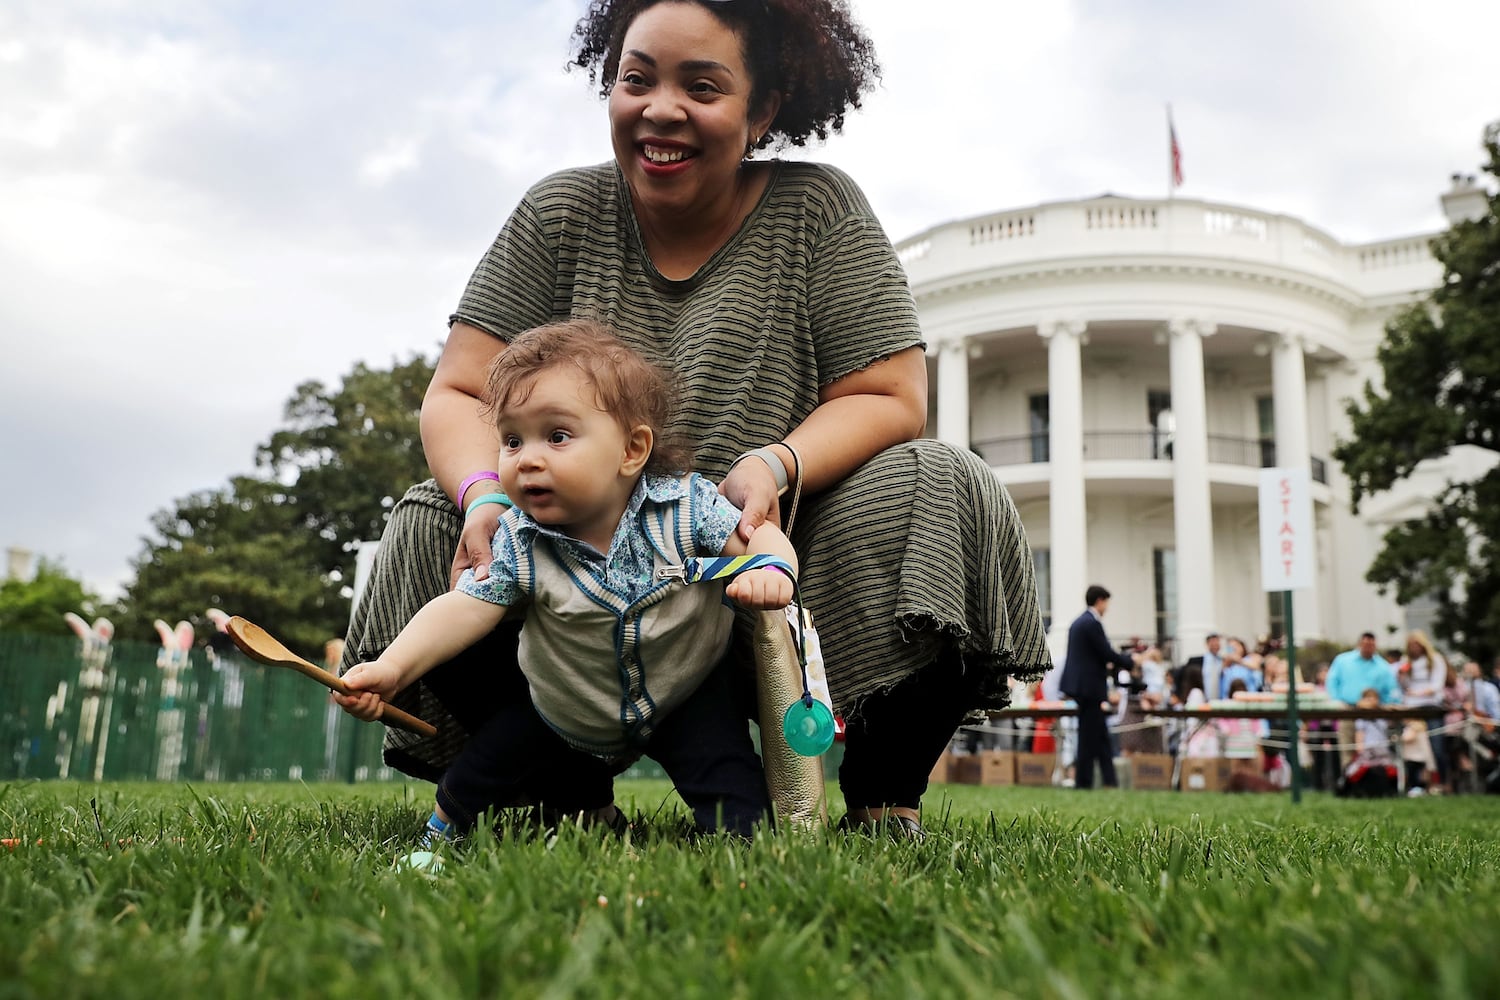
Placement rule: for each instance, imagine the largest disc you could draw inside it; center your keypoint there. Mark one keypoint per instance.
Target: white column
(1069, 534)
(1289, 391)
(1191, 503)
(1289, 398)
(953, 393)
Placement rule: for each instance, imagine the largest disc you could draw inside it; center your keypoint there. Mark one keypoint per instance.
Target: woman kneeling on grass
(621, 659)
(772, 290)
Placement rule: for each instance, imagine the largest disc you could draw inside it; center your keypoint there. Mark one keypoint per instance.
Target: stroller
(1367, 779)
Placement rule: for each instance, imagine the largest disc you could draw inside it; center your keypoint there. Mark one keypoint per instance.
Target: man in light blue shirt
(1484, 692)
(1350, 674)
(1213, 664)
(1363, 667)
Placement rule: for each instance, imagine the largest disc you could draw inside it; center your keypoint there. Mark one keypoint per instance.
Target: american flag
(1176, 151)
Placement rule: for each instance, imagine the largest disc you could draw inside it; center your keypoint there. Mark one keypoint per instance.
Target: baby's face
(561, 456)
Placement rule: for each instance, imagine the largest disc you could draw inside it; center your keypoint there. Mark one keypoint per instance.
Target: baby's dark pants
(513, 755)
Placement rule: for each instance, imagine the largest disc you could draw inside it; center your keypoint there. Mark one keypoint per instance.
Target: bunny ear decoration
(78, 625)
(185, 636)
(164, 632)
(219, 618)
(104, 629)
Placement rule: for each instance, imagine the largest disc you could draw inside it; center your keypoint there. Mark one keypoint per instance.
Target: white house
(1127, 366)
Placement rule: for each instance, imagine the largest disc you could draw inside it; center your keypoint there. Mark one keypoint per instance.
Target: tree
(273, 547)
(37, 606)
(237, 548)
(350, 455)
(1441, 371)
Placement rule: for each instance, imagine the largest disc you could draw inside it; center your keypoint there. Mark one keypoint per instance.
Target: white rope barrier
(1315, 746)
(1324, 746)
(1013, 731)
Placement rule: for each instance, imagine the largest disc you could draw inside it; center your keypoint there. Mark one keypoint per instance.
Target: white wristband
(772, 461)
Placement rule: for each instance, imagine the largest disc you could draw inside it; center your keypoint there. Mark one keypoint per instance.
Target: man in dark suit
(1085, 679)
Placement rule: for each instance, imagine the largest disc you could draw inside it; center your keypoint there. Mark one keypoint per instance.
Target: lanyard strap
(728, 567)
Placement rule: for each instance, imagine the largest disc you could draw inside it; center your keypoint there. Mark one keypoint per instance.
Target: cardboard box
(987, 767)
(942, 769)
(1151, 771)
(1205, 774)
(1035, 769)
(999, 768)
(964, 770)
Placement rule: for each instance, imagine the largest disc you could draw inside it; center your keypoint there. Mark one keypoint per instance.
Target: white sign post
(1287, 549)
(1288, 562)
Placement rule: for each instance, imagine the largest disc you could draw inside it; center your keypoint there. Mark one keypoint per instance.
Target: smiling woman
(774, 293)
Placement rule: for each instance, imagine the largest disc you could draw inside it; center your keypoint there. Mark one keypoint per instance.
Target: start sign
(1288, 551)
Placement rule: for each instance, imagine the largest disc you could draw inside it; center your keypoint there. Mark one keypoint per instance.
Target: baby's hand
(371, 685)
(761, 590)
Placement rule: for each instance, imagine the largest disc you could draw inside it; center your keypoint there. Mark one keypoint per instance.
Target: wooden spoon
(261, 646)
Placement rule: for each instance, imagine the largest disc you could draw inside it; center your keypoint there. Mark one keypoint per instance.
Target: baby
(621, 655)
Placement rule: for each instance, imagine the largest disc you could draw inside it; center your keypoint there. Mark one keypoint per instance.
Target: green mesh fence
(216, 718)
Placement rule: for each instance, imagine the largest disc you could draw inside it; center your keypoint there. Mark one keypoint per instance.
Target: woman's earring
(750, 146)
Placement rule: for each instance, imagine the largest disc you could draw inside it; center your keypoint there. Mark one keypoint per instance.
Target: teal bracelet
(499, 498)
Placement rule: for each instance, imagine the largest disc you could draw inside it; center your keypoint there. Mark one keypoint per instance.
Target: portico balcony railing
(1138, 446)
(1175, 228)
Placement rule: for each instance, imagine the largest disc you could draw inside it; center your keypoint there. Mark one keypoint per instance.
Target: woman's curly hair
(812, 51)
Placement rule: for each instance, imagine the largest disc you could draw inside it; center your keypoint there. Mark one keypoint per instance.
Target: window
(1164, 581)
(1041, 560)
(1265, 418)
(1275, 614)
(1159, 416)
(1041, 425)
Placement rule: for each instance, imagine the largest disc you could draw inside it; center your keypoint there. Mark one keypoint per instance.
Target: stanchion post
(1294, 752)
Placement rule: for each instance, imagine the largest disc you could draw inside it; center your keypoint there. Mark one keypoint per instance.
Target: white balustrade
(1177, 228)
(1120, 216)
(1002, 228)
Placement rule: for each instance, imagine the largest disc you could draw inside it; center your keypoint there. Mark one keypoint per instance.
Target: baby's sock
(437, 831)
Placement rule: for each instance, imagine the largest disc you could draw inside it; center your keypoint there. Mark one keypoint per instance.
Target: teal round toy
(425, 862)
(808, 726)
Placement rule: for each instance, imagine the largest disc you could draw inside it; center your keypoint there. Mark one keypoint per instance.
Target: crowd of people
(1457, 750)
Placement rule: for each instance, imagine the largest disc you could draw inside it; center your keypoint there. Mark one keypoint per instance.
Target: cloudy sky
(204, 204)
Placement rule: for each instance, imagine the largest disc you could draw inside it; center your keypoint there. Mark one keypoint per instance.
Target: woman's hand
(761, 590)
(371, 685)
(474, 544)
(751, 486)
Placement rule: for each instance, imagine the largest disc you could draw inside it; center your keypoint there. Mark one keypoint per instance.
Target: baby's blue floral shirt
(627, 568)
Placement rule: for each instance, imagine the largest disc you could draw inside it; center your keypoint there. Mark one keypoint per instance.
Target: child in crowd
(1154, 674)
(1240, 738)
(1202, 738)
(621, 655)
(1416, 756)
(1372, 772)
(1372, 737)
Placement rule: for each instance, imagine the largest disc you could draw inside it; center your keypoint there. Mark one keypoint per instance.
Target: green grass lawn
(279, 890)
